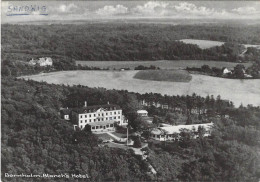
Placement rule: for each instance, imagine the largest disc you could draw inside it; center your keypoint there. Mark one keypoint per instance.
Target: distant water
(238, 91)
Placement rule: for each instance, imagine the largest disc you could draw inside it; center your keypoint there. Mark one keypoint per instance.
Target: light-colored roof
(156, 131)
(41, 60)
(178, 128)
(102, 123)
(142, 112)
(93, 109)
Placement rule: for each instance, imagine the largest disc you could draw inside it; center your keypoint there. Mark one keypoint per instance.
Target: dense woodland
(35, 139)
(237, 72)
(122, 42)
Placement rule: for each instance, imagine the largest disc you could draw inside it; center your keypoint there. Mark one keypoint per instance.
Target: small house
(226, 71)
(32, 62)
(142, 113)
(165, 106)
(65, 113)
(47, 61)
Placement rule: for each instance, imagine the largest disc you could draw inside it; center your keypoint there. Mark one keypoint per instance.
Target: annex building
(47, 61)
(167, 133)
(101, 118)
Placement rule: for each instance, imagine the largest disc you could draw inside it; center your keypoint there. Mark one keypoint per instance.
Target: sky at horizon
(25, 11)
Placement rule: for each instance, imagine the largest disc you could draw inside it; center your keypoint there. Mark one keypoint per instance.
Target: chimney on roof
(67, 107)
(108, 102)
(85, 105)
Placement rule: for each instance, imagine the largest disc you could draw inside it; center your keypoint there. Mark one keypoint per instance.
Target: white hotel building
(101, 118)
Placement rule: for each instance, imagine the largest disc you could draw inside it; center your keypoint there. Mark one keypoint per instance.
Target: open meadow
(203, 44)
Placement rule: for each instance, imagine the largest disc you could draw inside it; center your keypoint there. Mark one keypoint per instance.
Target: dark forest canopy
(122, 42)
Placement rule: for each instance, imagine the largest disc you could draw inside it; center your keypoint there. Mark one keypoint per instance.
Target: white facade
(42, 62)
(226, 71)
(45, 62)
(100, 115)
(142, 113)
(32, 62)
(66, 117)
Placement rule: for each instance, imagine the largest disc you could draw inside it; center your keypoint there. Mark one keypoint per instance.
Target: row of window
(162, 136)
(99, 127)
(100, 114)
(99, 119)
(102, 127)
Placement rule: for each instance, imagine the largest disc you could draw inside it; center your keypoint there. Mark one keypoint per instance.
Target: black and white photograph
(130, 91)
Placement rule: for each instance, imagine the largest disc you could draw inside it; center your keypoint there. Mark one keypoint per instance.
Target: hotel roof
(91, 109)
(142, 112)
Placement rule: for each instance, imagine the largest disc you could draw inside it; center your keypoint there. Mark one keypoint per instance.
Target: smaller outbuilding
(142, 113)
(226, 71)
(65, 113)
(47, 61)
(172, 132)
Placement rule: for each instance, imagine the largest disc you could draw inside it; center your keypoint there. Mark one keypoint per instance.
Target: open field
(163, 64)
(164, 75)
(238, 91)
(205, 44)
(104, 136)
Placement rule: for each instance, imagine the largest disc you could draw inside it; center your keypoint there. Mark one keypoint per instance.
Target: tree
(186, 136)
(135, 121)
(201, 131)
(239, 71)
(170, 118)
(6, 71)
(206, 68)
(137, 142)
(200, 105)
(87, 128)
(156, 120)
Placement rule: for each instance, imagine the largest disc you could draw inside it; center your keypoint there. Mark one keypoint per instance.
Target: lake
(238, 91)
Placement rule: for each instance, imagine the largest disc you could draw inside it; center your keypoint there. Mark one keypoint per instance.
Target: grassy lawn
(104, 136)
(164, 75)
(115, 145)
(121, 135)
